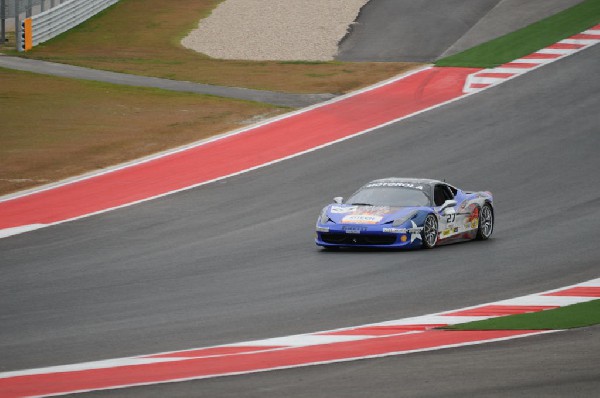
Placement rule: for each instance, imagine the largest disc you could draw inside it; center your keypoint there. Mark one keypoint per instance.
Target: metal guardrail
(59, 19)
(19, 6)
(19, 9)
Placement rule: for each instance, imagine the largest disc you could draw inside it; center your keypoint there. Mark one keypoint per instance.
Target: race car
(405, 213)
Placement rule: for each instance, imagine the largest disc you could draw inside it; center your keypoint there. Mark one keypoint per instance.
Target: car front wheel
(430, 232)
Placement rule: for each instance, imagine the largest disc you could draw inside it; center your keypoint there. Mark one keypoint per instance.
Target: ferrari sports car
(406, 213)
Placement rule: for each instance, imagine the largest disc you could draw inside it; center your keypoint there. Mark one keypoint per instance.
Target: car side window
(438, 195)
(442, 193)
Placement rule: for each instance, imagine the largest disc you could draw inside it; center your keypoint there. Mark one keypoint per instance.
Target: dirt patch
(53, 128)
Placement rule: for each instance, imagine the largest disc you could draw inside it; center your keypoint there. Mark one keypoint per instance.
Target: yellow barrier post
(27, 35)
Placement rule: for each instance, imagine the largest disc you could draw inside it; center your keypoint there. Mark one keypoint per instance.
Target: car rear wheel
(430, 232)
(486, 222)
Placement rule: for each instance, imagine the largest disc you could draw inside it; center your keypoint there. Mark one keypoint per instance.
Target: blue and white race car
(406, 213)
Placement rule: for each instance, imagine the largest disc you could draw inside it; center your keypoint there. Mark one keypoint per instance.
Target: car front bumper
(374, 236)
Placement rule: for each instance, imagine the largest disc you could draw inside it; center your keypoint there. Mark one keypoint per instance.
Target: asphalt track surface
(234, 260)
(77, 72)
(425, 30)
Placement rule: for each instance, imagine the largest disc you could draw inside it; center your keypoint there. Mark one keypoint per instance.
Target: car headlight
(402, 220)
(324, 218)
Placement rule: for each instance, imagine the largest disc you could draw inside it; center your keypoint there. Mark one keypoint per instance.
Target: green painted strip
(572, 316)
(529, 39)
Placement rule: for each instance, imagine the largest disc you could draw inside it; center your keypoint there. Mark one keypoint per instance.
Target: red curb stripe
(480, 85)
(501, 75)
(382, 330)
(581, 291)
(566, 46)
(96, 379)
(231, 155)
(519, 65)
(500, 310)
(586, 36)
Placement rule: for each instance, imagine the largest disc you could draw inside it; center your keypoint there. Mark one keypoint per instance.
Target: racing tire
(486, 222)
(429, 235)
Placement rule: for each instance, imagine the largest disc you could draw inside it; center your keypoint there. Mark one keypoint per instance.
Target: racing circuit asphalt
(235, 261)
(426, 30)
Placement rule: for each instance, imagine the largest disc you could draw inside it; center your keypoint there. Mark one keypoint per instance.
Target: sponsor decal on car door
(449, 222)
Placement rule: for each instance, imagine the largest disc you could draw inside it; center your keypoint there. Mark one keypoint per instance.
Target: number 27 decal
(451, 217)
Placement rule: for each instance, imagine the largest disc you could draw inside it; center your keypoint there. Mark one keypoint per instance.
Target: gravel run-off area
(289, 30)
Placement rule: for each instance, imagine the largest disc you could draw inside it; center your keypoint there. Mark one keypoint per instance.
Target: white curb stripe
(434, 319)
(19, 230)
(486, 80)
(559, 51)
(585, 42)
(535, 60)
(592, 283)
(500, 69)
(559, 301)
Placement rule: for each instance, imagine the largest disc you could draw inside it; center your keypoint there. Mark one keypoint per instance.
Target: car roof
(423, 181)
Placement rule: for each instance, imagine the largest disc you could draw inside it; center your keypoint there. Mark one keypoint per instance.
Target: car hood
(350, 214)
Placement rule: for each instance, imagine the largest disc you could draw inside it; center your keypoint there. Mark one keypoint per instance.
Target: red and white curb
(397, 337)
(491, 77)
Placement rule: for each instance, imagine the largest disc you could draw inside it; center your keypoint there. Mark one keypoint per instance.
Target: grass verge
(52, 128)
(529, 39)
(572, 316)
(143, 37)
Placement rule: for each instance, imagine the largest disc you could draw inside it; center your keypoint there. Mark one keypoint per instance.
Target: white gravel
(303, 30)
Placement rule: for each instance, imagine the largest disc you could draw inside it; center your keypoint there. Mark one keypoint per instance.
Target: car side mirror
(338, 200)
(447, 204)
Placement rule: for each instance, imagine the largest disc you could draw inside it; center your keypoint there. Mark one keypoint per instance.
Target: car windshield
(389, 196)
